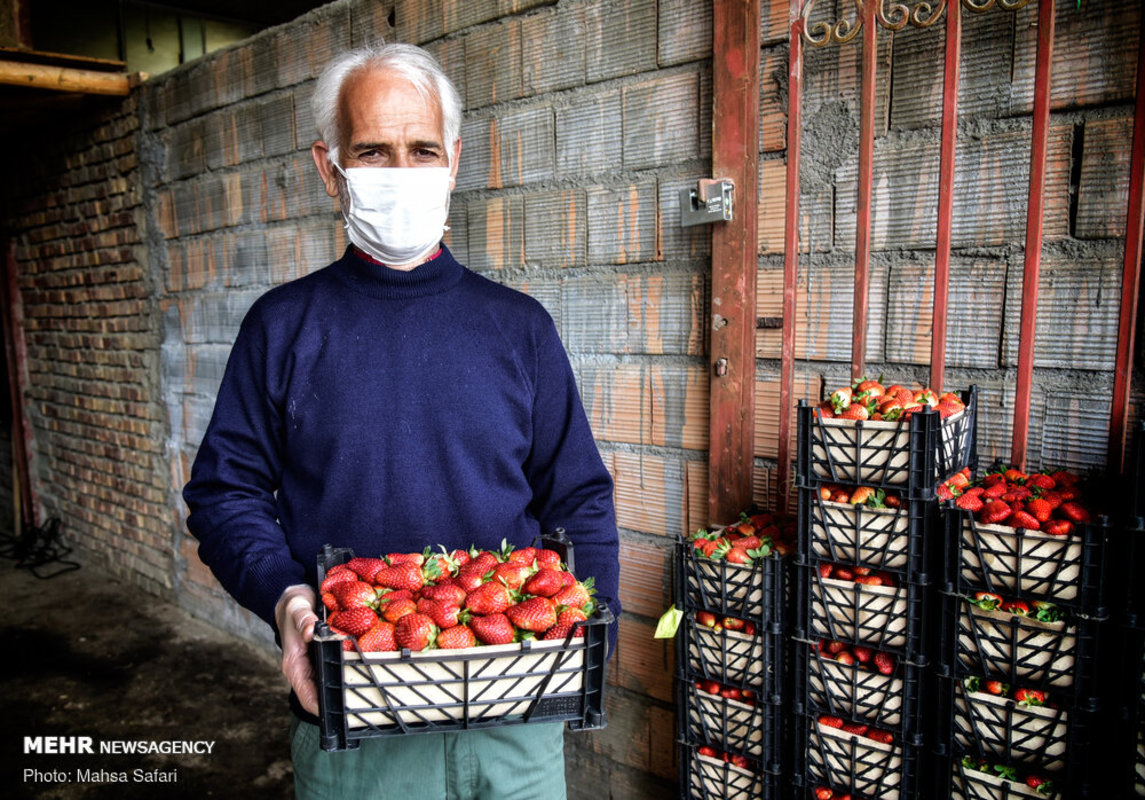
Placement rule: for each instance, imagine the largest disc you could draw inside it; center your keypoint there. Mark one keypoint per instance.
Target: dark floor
(82, 654)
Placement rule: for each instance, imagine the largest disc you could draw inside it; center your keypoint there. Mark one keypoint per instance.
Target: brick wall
(144, 234)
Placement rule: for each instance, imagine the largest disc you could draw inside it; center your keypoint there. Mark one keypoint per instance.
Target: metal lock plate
(710, 202)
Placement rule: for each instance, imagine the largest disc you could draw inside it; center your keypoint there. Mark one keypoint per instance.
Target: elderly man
(389, 401)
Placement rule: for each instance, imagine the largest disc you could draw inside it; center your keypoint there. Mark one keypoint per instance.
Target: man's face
(386, 122)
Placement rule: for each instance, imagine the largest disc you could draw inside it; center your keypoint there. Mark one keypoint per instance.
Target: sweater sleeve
(231, 492)
(572, 489)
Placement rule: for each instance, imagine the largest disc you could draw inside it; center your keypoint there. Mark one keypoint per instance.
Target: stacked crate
(994, 736)
(732, 675)
(886, 629)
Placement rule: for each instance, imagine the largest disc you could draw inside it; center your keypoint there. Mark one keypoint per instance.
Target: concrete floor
(83, 655)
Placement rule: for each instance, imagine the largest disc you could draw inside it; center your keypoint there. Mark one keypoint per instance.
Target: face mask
(396, 214)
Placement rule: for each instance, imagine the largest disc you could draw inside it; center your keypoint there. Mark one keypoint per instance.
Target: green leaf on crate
(669, 623)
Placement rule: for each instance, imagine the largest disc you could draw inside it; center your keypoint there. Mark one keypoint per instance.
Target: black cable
(38, 547)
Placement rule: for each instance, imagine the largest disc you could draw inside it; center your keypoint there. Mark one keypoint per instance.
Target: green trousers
(514, 762)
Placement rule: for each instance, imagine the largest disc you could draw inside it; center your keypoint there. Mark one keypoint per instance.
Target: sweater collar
(439, 274)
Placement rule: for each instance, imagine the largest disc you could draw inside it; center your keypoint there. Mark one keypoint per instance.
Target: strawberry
(1030, 697)
(330, 601)
(491, 597)
(444, 613)
(830, 722)
(493, 629)
(480, 564)
(969, 502)
(1017, 495)
(855, 411)
(365, 568)
(406, 575)
(995, 687)
(885, 663)
(845, 658)
(883, 737)
(536, 614)
(334, 570)
(333, 578)
(825, 569)
(708, 619)
(548, 558)
(378, 639)
(415, 632)
(446, 590)
(1019, 607)
(1041, 481)
(737, 555)
(456, 637)
(824, 793)
(825, 410)
(512, 574)
(1039, 508)
(1074, 512)
(561, 632)
(526, 556)
(1014, 475)
(862, 654)
(869, 580)
(732, 623)
(354, 621)
(944, 492)
(994, 512)
(1058, 527)
(987, 601)
(545, 582)
(396, 609)
(1040, 785)
(576, 595)
(855, 728)
(570, 616)
(708, 751)
(352, 594)
(1024, 519)
(395, 594)
(833, 647)
(843, 574)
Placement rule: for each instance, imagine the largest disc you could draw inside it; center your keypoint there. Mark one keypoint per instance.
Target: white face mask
(396, 214)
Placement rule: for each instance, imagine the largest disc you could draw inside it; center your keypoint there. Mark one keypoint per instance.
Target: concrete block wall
(1094, 74)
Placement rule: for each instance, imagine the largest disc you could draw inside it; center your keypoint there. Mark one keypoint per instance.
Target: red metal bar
(866, 183)
(790, 250)
(735, 155)
(16, 351)
(945, 222)
(1034, 221)
(1130, 274)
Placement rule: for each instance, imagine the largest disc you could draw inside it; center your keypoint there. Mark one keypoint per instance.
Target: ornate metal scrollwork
(893, 15)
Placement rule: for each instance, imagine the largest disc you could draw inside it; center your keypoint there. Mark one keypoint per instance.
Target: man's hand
(295, 617)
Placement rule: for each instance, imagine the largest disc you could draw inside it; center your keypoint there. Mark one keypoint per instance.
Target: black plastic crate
(961, 782)
(999, 729)
(868, 769)
(1070, 571)
(913, 455)
(897, 540)
(367, 695)
(858, 692)
(756, 662)
(705, 777)
(893, 619)
(1062, 658)
(749, 728)
(757, 592)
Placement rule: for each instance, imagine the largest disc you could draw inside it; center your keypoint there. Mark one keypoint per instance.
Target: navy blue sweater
(384, 411)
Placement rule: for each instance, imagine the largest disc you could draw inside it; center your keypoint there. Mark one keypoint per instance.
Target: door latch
(710, 202)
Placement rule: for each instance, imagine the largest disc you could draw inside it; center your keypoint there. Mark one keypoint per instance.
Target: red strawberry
(987, 601)
(1030, 697)
(526, 556)
(561, 632)
(856, 728)
(883, 737)
(447, 590)
(830, 722)
(456, 637)
(512, 574)
(869, 580)
(491, 597)
(352, 594)
(832, 647)
(545, 582)
(855, 411)
(1058, 527)
(994, 512)
(406, 575)
(845, 658)
(493, 629)
(479, 564)
(548, 558)
(396, 609)
(862, 654)
(969, 502)
(415, 632)
(944, 492)
(1019, 607)
(334, 570)
(995, 687)
(1024, 519)
(1040, 508)
(1041, 481)
(365, 568)
(1074, 512)
(444, 613)
(823, 793)
(378, 639)
(576, 595)
(332, 578)
(843, 574)
(354, 621)
(1017, 495)
(885, 663)
(825, 569)
(537, 614)
(995, 490)
(330, 601)
(1040, 785)
(395, 594)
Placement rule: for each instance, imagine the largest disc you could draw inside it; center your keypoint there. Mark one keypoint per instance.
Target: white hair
(411, 62)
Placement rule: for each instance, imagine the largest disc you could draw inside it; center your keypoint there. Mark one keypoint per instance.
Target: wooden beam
(735, 155)
(64, 79)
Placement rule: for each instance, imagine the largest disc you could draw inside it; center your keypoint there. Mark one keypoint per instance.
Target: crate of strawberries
(883, 436)
(433, 642)
(1031, 534)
